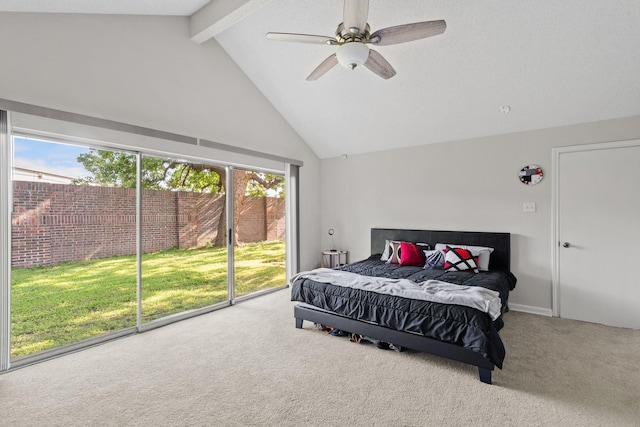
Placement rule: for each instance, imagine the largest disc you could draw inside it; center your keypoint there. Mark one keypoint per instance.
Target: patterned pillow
(394, 255)
(459, 259)
(388, 249)
(434, 259)
(482, 252)
(410, 254)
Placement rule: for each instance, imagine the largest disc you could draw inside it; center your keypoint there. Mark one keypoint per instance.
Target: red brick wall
(198, 218)
(54, 223)
(252, 220)
(262, 218)
(159, 220)
(275, 219)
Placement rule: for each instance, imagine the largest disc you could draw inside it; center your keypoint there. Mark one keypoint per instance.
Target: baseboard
(531, 309)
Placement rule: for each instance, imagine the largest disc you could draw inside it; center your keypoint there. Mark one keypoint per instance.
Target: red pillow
(411, 254)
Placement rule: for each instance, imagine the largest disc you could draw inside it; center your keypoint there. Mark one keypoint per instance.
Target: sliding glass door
(106, 242)
(73, 228)
(259, 232)
(184, 245)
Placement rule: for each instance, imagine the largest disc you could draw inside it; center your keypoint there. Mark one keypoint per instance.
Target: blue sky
(59, 159)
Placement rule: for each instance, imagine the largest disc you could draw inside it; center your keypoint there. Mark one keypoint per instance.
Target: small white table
(331, 259)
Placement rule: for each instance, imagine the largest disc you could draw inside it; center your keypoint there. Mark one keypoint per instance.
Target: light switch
(529, 207)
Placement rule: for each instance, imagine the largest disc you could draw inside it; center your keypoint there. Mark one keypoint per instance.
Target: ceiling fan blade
(355, 15)
(408, 32)
(379, 65)
(324, 66)
(301, 38)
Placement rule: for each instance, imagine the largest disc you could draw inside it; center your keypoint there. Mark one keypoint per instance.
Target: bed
(460, 331)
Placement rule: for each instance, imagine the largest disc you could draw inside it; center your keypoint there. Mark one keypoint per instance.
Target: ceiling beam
(218, 15)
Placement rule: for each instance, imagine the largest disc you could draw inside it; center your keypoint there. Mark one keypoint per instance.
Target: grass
(66, 303)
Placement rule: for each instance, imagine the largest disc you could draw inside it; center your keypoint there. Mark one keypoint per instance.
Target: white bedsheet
(476, 297)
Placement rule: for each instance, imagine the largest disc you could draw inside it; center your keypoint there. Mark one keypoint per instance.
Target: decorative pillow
(387, 251)
(434, 259)
(410, 254)
(460, 259)
(394, 254)
(482, 252)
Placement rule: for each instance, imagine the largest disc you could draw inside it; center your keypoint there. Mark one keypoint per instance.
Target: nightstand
(331, 259)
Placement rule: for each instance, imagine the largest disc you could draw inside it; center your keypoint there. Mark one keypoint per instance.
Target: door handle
(565, 245)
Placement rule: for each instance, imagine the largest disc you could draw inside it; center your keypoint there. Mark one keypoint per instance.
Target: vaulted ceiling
(552, 62)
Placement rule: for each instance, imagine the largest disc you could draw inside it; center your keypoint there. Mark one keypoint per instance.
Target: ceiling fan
(353, 35)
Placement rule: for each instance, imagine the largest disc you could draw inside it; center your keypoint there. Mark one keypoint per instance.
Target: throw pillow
(411, 254)
(482, 252)
(460, 259)
(394, 255)
(434, 259)
(387, 251)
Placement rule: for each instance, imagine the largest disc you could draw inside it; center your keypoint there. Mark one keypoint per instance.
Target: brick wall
(54, 223)
(275, 219)
(252, 220)
(262, 218)
(198, 218)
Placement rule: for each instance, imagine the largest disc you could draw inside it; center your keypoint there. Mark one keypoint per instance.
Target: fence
(54, 223)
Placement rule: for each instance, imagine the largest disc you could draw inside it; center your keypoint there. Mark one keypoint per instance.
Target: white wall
(469, 185)
(145, 71)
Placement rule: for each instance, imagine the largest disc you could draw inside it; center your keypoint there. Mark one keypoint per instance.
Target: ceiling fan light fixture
(352, 54)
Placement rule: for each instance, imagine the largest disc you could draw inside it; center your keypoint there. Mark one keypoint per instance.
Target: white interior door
(598, 233)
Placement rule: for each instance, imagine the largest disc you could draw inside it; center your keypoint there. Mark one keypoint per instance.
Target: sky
(59, 159)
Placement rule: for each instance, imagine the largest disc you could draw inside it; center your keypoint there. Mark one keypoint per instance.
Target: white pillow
(482, 252)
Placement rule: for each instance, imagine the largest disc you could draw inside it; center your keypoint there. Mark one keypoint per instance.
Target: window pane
(184, 261)
(259, 249)
(73, 245)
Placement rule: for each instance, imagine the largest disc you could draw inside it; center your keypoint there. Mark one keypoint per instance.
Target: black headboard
(501, 242)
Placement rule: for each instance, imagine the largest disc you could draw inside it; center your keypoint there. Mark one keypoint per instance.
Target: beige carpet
(248, 366)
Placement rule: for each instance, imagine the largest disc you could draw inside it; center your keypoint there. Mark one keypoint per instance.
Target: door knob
(566, 245)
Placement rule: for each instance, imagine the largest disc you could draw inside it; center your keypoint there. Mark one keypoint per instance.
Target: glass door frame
(172, 318)
(6, 159)
(230, 207)
(231, 227)
(5, 333)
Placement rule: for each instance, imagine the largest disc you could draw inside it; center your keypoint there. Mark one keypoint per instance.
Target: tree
(118, 169)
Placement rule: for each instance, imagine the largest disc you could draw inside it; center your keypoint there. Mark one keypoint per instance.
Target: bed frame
(500, 259)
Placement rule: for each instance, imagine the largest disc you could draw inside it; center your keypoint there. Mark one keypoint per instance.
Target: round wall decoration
(531, 174)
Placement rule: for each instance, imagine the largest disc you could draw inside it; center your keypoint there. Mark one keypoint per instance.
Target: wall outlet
(529, 207)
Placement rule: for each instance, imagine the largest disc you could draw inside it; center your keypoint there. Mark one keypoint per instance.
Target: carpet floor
(248, 365)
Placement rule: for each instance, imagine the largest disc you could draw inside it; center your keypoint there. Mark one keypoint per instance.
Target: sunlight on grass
(69, 302)
(258, 266)
(34, 347)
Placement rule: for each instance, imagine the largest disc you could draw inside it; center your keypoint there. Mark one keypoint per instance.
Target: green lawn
(66, 303)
